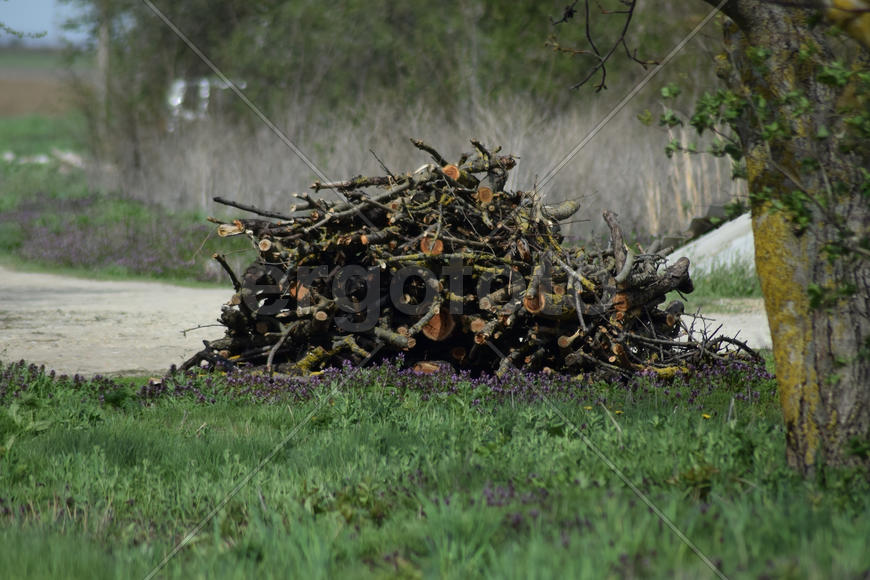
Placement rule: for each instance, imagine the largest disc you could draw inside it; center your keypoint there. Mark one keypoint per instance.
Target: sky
(37, 16)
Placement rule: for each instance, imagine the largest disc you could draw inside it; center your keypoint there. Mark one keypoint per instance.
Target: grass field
(381, 473)
(26, 135)
(715, 290)
(33, 60)
(51, 218)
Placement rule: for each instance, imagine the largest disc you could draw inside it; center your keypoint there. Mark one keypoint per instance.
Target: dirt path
(742, 318)
(88, 327)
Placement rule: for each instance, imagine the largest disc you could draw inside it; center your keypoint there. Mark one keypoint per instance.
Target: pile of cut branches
(446, 266)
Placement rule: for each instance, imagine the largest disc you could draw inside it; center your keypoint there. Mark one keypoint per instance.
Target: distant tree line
(342, 54)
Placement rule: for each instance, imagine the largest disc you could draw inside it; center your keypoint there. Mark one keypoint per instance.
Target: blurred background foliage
(344, 78)
(444, 54)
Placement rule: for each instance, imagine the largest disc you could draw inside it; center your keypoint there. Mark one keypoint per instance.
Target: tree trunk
(818, 305)
(103, 79)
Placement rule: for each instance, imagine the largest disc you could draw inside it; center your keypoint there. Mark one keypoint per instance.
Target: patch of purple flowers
(73, 233)
(20, 378)
(740, 380)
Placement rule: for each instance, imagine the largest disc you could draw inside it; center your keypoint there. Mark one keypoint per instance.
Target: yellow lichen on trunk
(781, 262)
(783, 265)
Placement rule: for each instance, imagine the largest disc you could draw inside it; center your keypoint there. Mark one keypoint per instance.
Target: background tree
(341, 58)
(795, 117)
(352, 77)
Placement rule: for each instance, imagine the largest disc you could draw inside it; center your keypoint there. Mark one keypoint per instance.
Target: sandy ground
(743, 319)
(83, 326)
(88, 327)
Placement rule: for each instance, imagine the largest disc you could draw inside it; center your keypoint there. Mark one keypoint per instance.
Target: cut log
(440, 326)
(431, 246)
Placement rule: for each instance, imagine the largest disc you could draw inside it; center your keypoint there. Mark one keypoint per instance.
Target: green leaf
(836, 74)
(758, 54)
(645, 117)
(734, 151)
(672, 148)
(717, 148)
(865, 185)
(670, 91)
(670, 119)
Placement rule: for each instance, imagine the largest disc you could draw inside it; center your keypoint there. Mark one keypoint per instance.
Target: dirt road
(88, 327)
(741, 318)
(83, 326)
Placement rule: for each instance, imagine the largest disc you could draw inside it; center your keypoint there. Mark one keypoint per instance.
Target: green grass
(32, 134)
(734, 280)
(52, 219)
(27, 183)
(28, 59)
(54, 222)
(402, 476)
(108, 273)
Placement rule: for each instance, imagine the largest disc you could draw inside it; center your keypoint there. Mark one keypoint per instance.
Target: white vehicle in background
(191, 99)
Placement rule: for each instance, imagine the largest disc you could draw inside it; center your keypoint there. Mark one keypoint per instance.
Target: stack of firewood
(446, 266)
